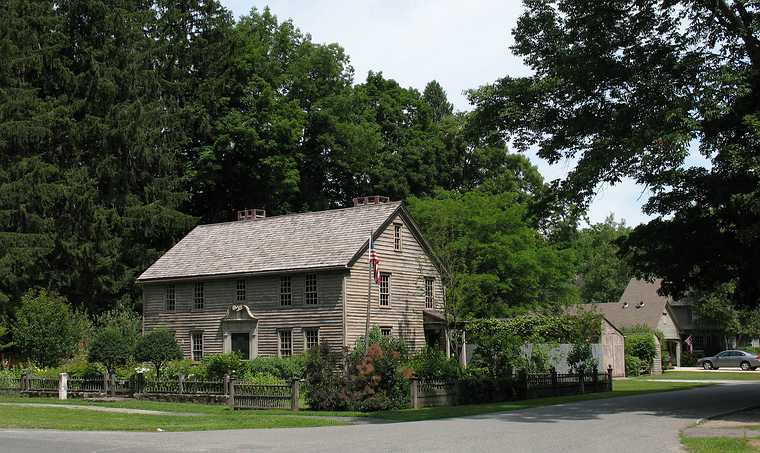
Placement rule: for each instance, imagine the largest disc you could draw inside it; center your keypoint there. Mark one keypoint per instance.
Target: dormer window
(640, 305)
(625, 304)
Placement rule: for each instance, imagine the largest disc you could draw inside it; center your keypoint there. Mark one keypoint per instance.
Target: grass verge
(718, 445)
(620, 388)
(708, 376)
(222, 417)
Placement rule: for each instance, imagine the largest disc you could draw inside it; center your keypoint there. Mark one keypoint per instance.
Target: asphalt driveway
(644, 423)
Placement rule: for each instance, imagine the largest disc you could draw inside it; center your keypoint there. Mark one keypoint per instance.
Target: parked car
(731, 358)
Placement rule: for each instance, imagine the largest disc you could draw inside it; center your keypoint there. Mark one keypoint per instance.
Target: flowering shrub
(325, 387)
(432, 363)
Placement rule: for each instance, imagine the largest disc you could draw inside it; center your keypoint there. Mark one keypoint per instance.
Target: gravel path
(118, 410)
(636, 424)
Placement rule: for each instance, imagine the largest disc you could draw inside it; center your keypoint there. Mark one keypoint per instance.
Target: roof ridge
(295, 214)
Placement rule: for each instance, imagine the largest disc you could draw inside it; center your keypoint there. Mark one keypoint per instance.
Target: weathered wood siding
(262, 297)
(408, 269)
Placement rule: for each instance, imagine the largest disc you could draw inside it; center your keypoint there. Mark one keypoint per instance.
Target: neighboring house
(610, 350)
(275, 286)
(639, 305)
(706, 340)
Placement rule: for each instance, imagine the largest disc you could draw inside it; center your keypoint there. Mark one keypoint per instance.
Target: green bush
(431, 363)
(478, 386)
(262, 379)
(158, 347)
(81, 369)
(218, 365)
(581, 357)
(185, 367)
(286, 368)
(632, 365)
(46, 330)
(641, 345)
(325, 388)
(689, 358)
(110, 347)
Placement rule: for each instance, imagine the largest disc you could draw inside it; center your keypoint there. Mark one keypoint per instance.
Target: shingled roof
(623, 317)
(311, 240)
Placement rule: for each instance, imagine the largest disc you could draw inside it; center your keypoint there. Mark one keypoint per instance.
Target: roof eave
(141, 281)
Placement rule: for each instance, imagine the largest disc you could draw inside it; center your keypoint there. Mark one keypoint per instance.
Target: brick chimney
(374, 199)
(251, 214)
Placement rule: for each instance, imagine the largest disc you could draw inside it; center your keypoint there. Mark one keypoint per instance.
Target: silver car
(731, 358)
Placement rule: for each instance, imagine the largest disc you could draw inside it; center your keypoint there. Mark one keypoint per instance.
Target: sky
(461, 44)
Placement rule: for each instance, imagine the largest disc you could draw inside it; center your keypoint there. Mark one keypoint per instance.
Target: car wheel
(707, 366)
(744, 366)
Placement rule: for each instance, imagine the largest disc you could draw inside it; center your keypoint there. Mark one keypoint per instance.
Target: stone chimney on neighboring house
(374, 199)
(251, 214)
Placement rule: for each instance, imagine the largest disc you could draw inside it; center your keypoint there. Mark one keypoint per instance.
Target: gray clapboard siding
(408, 269)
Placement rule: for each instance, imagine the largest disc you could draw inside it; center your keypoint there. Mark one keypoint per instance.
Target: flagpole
(369, 293)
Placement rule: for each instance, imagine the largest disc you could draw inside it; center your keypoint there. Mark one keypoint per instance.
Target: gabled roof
(307, 241)
(624, 316)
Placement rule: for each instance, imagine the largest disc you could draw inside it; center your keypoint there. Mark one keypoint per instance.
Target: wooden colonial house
(269, 286)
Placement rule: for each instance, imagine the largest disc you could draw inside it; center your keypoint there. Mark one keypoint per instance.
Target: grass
(718, 445)
(708, 376)
(222, 417)
(620, 388)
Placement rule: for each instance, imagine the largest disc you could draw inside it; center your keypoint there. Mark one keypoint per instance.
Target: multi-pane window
(429, 299)
(385, 290)
(311, 338)
(386, 331)
(198, 296)
(286, 343)
(397, 237)
(169, 298)
(196, 342)
(286, 296)
(311, 289)
(240, 290)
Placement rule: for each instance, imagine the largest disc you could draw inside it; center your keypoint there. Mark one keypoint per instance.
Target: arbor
(47, 331)
(158, 347)
(628, 89)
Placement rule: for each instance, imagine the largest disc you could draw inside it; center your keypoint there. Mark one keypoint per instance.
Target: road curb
(723, 414)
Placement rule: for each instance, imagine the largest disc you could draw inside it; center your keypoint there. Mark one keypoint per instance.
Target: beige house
(276, 286)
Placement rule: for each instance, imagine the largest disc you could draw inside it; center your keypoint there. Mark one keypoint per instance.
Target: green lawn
(718, 445)
(708, 376)
(222, 417)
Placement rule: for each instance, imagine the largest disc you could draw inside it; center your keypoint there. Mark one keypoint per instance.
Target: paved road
(644, 423)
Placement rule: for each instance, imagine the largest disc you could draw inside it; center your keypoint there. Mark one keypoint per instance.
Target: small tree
(110, 347)
(46, 329)
(158, 347)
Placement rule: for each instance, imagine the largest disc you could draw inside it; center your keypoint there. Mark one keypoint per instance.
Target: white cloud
(461, 44)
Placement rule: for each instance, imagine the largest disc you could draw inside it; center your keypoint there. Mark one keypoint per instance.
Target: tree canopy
(629, 89)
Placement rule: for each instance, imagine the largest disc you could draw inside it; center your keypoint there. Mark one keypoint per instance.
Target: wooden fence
(10, 385)
(252, 396)
(427, 393)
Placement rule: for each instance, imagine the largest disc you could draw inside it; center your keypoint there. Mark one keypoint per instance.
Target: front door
(241, 344)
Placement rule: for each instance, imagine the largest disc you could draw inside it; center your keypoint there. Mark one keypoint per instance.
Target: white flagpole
(369, 294)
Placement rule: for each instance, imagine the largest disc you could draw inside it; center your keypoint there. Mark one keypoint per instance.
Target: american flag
(374, 261)
(690, 343)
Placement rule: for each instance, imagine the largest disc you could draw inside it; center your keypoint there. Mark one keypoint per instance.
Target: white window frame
(311, 294)
(193, 350)
(170, 296)
(387, 294)
(286, 297)
(429, 292)
(306, 333)
(386, 331)
(199, 296)
(397, 237)
(279, 342)
(240, 290)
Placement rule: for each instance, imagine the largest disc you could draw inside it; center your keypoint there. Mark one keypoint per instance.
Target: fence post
(595, 379)
(523, 384)
(294, 394)
(555, 387)
(226, 384)
(105, 383)
(63, 386)
(582, 380)
(231, 398)
(24, 381)
(609, 378)
(139, 383)
(414, 392)
(113, 384)
(181, 383)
